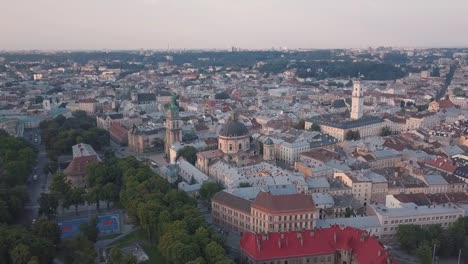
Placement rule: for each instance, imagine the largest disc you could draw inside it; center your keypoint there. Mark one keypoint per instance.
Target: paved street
(35, 188)
(232, 240)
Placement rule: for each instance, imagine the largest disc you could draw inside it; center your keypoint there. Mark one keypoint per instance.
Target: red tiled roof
(419, 199)
(442, 164)
(364, 248)
(283, 203)
(445, 103)
(231, 201)
(211, 141)
(210, 154)
(78, 165)
(118, 131)
(320, 154)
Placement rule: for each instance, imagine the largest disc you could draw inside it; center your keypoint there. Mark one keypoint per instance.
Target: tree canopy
(60, 134)
(168, 216)
(420, 240)
(17, 158)
(385, 131)
(352, 135)
(189, 153)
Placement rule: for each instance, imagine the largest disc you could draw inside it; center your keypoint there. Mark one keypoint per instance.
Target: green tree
(352, 135)
(385, 131)
(110, 193)
(208, 189)
(47, 229)
(94, 195)
(315, 127)
(79, 250)
(48, 204)
(20, 254)
(300, 124)
(75, 197)
(33, 260)
(90, 230)
(424, 253)
(410, 236)
(189, 153)
(38, 99)
(116, 257)
(214, 252)
(60, 186)
(198, 260)
(202, 236)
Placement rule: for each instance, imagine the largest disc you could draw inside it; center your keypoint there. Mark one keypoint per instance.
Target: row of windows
(282, 217)
(315, 259)
(413, 220)
(231, 146)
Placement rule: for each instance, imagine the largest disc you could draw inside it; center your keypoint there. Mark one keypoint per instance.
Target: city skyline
(209, 24)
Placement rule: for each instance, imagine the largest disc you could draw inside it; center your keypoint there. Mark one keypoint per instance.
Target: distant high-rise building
(357, 105)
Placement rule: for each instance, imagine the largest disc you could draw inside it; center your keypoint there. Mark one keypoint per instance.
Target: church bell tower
(173, 125)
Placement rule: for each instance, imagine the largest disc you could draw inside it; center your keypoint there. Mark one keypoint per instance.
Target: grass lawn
(139, 237)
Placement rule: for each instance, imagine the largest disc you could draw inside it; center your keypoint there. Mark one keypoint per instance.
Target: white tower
(357, 105)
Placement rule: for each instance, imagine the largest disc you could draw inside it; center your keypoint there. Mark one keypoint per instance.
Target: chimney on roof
(379, 253)
(301, 239)
(312, 233)
(334, 236)
(259, 245)
(363, 236)
(279, 242)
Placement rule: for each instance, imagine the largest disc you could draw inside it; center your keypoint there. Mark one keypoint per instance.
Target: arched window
(230, 146)
(240, 145)
(220, 146)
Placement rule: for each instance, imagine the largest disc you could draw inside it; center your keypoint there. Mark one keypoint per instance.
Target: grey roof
(462, 171)
(322, 198)
(268, 141)
(357, 222)
(233, 128)
(282, 189)
(116, 116)
(453, 150)
(386, 153)
(340, 103)
(322, 140)
(435, 179)
(320, 182)
(146, 97)
(338, 122)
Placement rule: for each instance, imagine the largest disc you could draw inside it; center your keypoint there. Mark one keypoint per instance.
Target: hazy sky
(157, 24)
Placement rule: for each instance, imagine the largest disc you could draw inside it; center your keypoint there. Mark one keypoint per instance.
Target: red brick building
(334, 245)
(76, 171)
(119, 134)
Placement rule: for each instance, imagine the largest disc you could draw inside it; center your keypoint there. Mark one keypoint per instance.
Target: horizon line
(284, 49)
